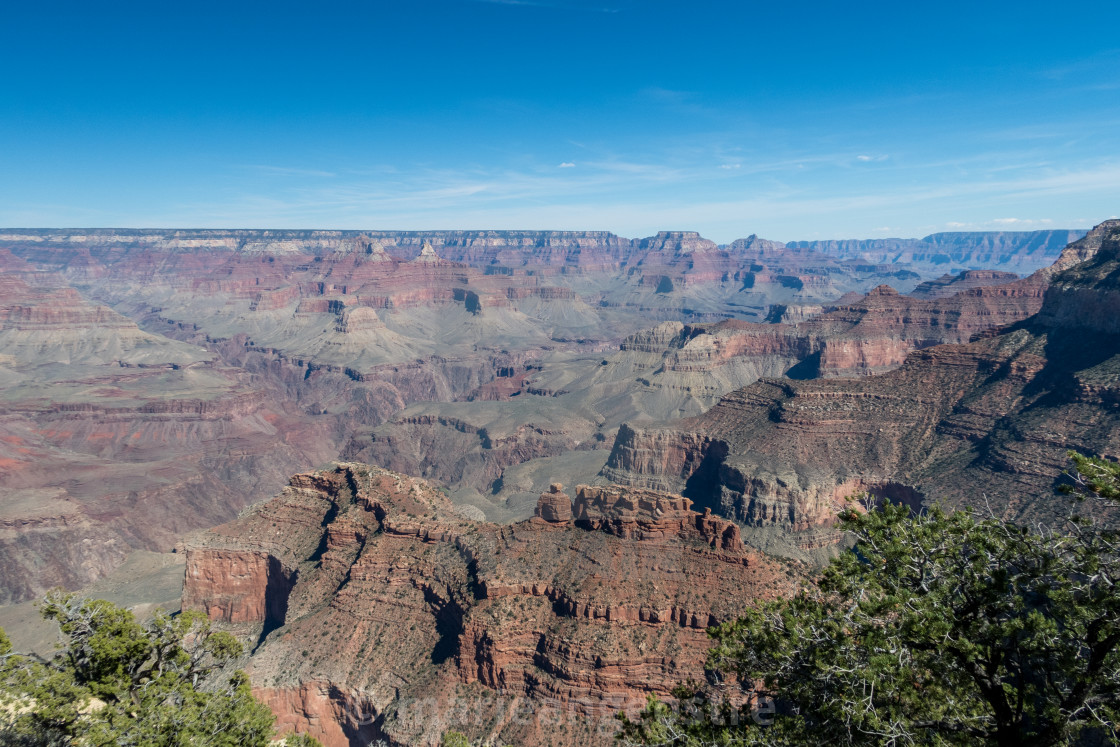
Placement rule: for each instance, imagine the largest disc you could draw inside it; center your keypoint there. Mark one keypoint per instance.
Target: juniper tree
(937, 629)
(161, 683)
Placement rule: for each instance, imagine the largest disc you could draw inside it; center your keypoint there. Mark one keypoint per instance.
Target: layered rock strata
(1017, 251)
(154, 382)
(950, 285)
(985, 424)
(677, 369)
(113, 439)
(371, 598)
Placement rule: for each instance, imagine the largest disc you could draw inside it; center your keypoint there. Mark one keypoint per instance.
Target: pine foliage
(165, 682)
(937, 629)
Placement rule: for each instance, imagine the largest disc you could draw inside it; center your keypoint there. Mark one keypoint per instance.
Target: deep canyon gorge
(524, 470)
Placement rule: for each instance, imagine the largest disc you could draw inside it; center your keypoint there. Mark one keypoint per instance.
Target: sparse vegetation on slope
(161, 683)
(937, 629)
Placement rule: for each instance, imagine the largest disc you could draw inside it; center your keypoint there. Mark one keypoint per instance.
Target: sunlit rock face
(984, 424)
(156, 382)
(368, 591)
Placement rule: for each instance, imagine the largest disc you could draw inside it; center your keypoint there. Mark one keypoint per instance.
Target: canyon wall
(144, 369)
(1016, 251)
(399, 620)
(984, 424)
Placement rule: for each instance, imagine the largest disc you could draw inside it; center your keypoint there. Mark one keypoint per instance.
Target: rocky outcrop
(678, 242)
(950, 285)
(334, 715)
(986, 423)
(644, 514)
(877, 332)
(555, 506)
(356, 320)
(659, 460)
(1084, 292)
(427, 254)
(238, 587)
(401, 608)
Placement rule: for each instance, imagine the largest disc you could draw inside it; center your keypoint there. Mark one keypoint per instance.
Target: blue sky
(789, 120)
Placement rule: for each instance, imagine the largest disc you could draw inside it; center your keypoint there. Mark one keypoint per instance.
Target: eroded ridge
(366, 593)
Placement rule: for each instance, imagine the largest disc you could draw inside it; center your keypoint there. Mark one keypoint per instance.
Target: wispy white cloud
(578, 199)
(289, 171)
(1020, 221)
(723, 192)
(1102, 62)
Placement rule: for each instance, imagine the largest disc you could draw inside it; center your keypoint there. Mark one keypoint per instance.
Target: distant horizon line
(586, 232)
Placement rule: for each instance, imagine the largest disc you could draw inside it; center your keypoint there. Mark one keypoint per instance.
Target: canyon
(382, 610)
(984, 424)
(157, 382)
(357, 442)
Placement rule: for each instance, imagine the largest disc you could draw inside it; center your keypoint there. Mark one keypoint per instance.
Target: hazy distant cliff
(1018, 251)
(1021, 251)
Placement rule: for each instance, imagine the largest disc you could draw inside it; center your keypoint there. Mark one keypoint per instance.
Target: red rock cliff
(399, 608)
